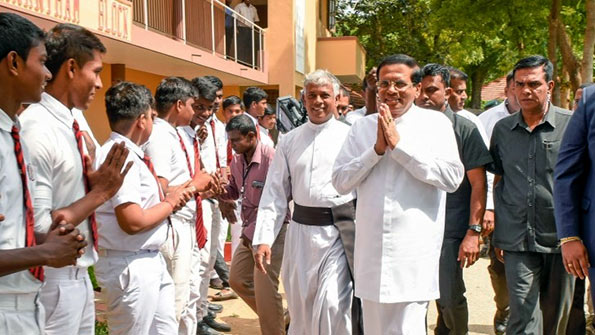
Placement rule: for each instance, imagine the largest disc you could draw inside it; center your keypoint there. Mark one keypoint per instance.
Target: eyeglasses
(398, 85)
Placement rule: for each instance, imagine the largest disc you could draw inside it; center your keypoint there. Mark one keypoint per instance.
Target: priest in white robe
(401, 162)
(315, 269)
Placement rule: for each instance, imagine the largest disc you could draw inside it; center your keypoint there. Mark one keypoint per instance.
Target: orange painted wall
(95, 115)
(148, 79)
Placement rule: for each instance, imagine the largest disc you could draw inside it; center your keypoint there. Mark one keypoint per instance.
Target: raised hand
(391, 135)
(109, 177)
(202, 133)
(380, 146)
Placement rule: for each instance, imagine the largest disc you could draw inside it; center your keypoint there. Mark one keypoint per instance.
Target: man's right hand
(488, 223)
(576, 259)
(109, 177)
(262, 256)
(499, 254)
(228, 211)
(203, 181)
(380, 146)
(63, 245)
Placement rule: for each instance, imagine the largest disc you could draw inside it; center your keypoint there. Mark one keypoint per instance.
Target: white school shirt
(489, 118)
(355, 115)
(475, 119)
(139, 187)
(301, 170)
(264, 137)
(13, 230)
(169, 161)
(208, 154)
(47, 129)
(221, 138)
(249, 12)
(188, 136)
(401, 204)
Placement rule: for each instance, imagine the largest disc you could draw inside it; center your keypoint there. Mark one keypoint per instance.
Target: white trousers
(236, 229)
(68, 299)
(221, 237)
(177, 252)
(212, 220)
(21, 314)
(407, 318)
(139, 293)
(188, 320)
(317, 282)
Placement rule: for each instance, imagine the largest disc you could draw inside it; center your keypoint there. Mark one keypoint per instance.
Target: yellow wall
(148, 79)
(280, 41)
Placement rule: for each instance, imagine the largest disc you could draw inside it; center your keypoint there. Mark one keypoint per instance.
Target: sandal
(225, 294)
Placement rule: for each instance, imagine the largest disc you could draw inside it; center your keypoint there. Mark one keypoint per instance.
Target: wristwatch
(475, 227)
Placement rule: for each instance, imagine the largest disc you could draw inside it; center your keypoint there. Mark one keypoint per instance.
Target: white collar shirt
(301, 170)
(264, 136)
(188, 136)
(490, 117)
(169, 161)
(401, 204)
(247, 11)
(221, 140)
(13, 230)
(139, 187)
(475, 119)
(47, 130)
(208, 152)
(355, 115)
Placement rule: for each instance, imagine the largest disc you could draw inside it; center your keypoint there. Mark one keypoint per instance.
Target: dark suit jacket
(574, 176)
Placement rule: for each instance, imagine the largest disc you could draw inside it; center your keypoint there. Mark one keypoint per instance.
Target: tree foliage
(482, 37)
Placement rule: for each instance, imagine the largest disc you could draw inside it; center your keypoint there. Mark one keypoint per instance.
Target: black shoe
(215, 308)
(220, 326)
(204, 329)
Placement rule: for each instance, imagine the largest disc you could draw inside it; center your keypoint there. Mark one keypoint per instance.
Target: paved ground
(479, 295)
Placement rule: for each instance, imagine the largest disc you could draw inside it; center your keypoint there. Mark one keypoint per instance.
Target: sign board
(112, 18)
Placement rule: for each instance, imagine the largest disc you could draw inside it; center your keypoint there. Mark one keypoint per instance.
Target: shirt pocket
(551, 149)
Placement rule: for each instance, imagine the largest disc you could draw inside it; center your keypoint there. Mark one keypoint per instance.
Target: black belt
(322, 216)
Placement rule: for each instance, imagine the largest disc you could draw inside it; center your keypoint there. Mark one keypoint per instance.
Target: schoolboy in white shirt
(22, 78)
(133, 225)
(64, 173)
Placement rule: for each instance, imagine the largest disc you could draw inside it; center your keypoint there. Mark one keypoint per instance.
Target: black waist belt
(312, 216)
(320, 216)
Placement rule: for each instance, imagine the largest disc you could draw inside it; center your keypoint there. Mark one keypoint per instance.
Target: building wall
(95, 115)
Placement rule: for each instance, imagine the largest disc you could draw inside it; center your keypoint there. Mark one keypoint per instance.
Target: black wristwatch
(476, 228)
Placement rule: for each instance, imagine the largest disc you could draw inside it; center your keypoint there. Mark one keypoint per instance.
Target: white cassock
(400, 214)
(315, 272)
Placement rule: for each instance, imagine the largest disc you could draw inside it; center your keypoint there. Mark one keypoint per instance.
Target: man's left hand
(469, 250)
(576, 259)
(391, 135)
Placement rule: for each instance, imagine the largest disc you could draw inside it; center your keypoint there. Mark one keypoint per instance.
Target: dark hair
(401, 59)
(231, 100)
(66, 41)
(509, 78)
(433, 69)
(205, 88)
(19, 35)
(215, 81)
(457, 74)
(172, 89)
(126, 101)
(269, 110)
(242, 123)
(535, 61)
(254, 94)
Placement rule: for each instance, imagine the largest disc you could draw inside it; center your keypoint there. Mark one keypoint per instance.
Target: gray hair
(321, 78)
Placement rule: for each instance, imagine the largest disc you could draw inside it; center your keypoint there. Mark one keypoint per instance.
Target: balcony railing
(207, 24)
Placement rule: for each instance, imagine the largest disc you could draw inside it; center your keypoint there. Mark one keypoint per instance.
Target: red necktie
(215, 141)
(229, 153)
(147, 160)
(149, 164)
(37, 271)
(201, 231)
(79, 142)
